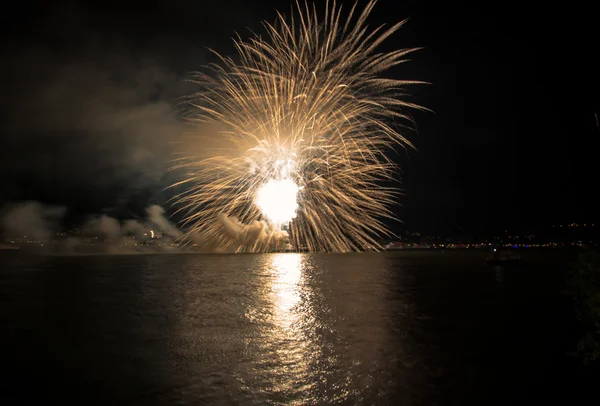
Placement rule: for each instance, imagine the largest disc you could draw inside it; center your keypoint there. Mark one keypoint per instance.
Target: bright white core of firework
(277, 199)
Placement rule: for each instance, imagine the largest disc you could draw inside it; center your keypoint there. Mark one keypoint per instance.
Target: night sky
(89, 94)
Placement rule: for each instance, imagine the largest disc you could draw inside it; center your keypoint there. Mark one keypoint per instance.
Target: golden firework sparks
(301, 125)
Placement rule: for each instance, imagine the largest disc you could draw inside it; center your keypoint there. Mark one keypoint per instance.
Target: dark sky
(89, 90)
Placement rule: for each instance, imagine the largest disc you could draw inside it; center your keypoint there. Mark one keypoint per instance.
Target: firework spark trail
(304, 103)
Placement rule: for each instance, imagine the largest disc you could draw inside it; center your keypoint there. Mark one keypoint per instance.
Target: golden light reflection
(287, 269)
(285, 341)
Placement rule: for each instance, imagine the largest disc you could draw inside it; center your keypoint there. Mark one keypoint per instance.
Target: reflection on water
(287, 271)
(226, 329)
(289, 349)
(327, 337)
(409, 328)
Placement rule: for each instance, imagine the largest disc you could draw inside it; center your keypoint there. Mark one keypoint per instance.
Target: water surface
(410, 328)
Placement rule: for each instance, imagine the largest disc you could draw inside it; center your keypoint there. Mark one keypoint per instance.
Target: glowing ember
(277, 199)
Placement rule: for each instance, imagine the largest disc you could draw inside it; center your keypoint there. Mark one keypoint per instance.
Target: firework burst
(300, 128)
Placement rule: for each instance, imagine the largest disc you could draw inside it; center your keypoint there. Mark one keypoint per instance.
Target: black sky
(89, 89)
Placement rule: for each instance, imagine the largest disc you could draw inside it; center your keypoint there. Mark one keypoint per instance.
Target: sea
(392, 328)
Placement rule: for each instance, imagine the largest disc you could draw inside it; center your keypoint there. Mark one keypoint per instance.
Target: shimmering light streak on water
(283, 336)
(287, 269)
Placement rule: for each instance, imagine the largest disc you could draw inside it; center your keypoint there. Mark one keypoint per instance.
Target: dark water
(410, 328)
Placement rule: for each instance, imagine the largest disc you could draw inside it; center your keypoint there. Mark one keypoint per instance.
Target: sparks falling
(295, 134)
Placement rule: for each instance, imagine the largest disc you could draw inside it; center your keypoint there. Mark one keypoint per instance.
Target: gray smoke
(31, 221)
(156, 218)
(257, 236)
(134, 228)
(36, 227)
(105, 227)
(99, 122)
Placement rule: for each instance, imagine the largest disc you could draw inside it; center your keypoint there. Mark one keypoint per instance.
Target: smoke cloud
(256, 235)
(31, 221)
(39, 228)
(156, 218)
(106, 227)
(96, 130)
